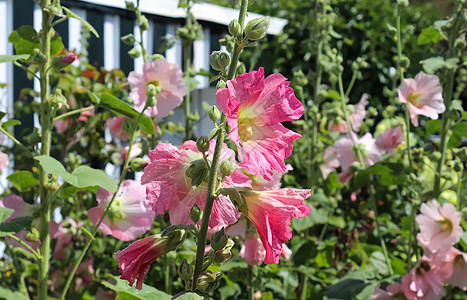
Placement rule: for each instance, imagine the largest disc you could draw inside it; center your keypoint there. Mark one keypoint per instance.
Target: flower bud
(138, 164)
(460, 42)
(219, 60)
(70, 57)
(219, 240)
(404, 62)
(38, 57)
(213, 60)
(185, 271)
(128, 39)
(228, 167)
(256, 29)
(151, 92)
(33, 235)
(195, 214)
(155, 57)
(134, 53)
(403, 3)
(202, 143)
(214, 113)
(143, 23)
(234, 27)
(224, 254)
(221, 84)
(130, 5)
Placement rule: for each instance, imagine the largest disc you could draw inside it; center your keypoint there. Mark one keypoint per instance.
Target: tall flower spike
(159, 73)
(272, 212)
(423, 96)
(255, 108)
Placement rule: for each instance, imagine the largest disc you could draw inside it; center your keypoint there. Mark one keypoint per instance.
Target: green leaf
(71, 14)
(94, 97)
(7, 293)
(56, 45)
(25, 40)
(126, 292)
(458, 132)
(349, 288)
(8, 58)
(433, 126)
(4, 213)
(189, 296)
(429, 35)
(432, 64)
(233, 263)
(15, 225)
(53, 166)
(11, 123)
(89, 177)
(23, 180)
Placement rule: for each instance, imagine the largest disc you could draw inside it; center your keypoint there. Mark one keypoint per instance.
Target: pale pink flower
(393, 291)
(135, 151)
(390, 139)
(286, 252)
(135, 260)
(84, 115)
(253, 250)
(423, 96)
(272, 212)
(255, 108)
(66, 230)
(115, 126)
(169, 187)
(4, 161)
(331, 163)
(258, 183)
(62, 125)
(160, 73)
(129, 215)
(346, 152)
(458, 263)
(439, 226)
(356, 118)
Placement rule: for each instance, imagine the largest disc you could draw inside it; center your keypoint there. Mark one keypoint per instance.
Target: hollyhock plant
(390, 139)
(331, 163)
(160, 73)
(272, 212)
(393, 291)
(439, 226)
(135, 151)
(458, 263)
(115, 126)
(169, 187)
(356, 118)
(253, 250)
(4, 161)
(255, 108)
(66, 231)
(423, 96)
(62, 125)
(129, 215)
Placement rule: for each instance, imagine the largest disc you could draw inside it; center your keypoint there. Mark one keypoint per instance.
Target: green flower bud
(228, 167)
(221, 84)
(202, 143)
(195, 214)
(38, 57)
(214, 113)
(403, 3)
(223, 59)
(130, 5)
(134, 53)
(404, 62)
(256, 29)
(143, 23)
(460, 42)
(198, 172)
(33, 235)
(185, 271)
(138, 164)
(155, 57)
(128, 39)
(224, 254)
(219, 240)
(234, 27)
(213, 60)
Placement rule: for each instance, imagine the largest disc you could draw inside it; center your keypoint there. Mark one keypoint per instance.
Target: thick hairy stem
(212, 183)
(46, 124)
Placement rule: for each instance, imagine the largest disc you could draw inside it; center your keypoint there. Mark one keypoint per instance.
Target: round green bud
(214, 61)
(128, 39)
(202, 143)
(227, 167)
(219, 240)
(155, 57)
(460, 42)
(130, 5)
(404, 62)
(195, 214)
(221, 84)
(256, 29)
(138, 164)
(134, 53)
(234, 27)
(223, 59)
(185, 271)
(403, 3)
(214, 113)
(143, 23)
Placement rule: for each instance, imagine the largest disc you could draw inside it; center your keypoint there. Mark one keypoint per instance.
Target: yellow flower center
(155, 82)
(446, 225)
(414, 98)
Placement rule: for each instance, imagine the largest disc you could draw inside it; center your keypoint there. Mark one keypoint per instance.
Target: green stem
(22, 284)
(188, 120)
(73, 112)
(383, 244)
(351, 84)
(304, 288)
(46, 125)
(96, 227)
(167, 279)
(18, 143)
(34, 252)
(459, 189)
(411, 234)
(212, 183)
(251, 292)
(25, 69)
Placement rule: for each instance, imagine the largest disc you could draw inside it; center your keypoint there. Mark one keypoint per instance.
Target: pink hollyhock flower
(129, 215)
(286, 252)
(423, 96)
(66, 231)
(356, 118)
(255, 108)
(160, 73)
(390, 139)
(62, 125)
(85, 114)
(135, 260)
(115, 126)
(4, 161)
(70, 57)
(258, 183)
(346, 152)
(439, 226)
(253, 250)
(331, 163)
(393, 291)
(458, 263)
(135, 151)
(272, 212)
(169, 187)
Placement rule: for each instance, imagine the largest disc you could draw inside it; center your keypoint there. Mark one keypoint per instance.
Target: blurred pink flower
(272, 212)
(255, 108)
(66, 230)
(135, 151)
(83, 116)
(393, 291)
(115, 126)
(253, 250)
(458, 262)
(160, 73)
(4, 161)
(129, 215)
(346, 152)
(70, 57)
(439, 226)
(390, 139)
(423, 96)
(135, 260)
(169, 188)
(62, 125)
(331, 163)
(286, 252)
(356, 118)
